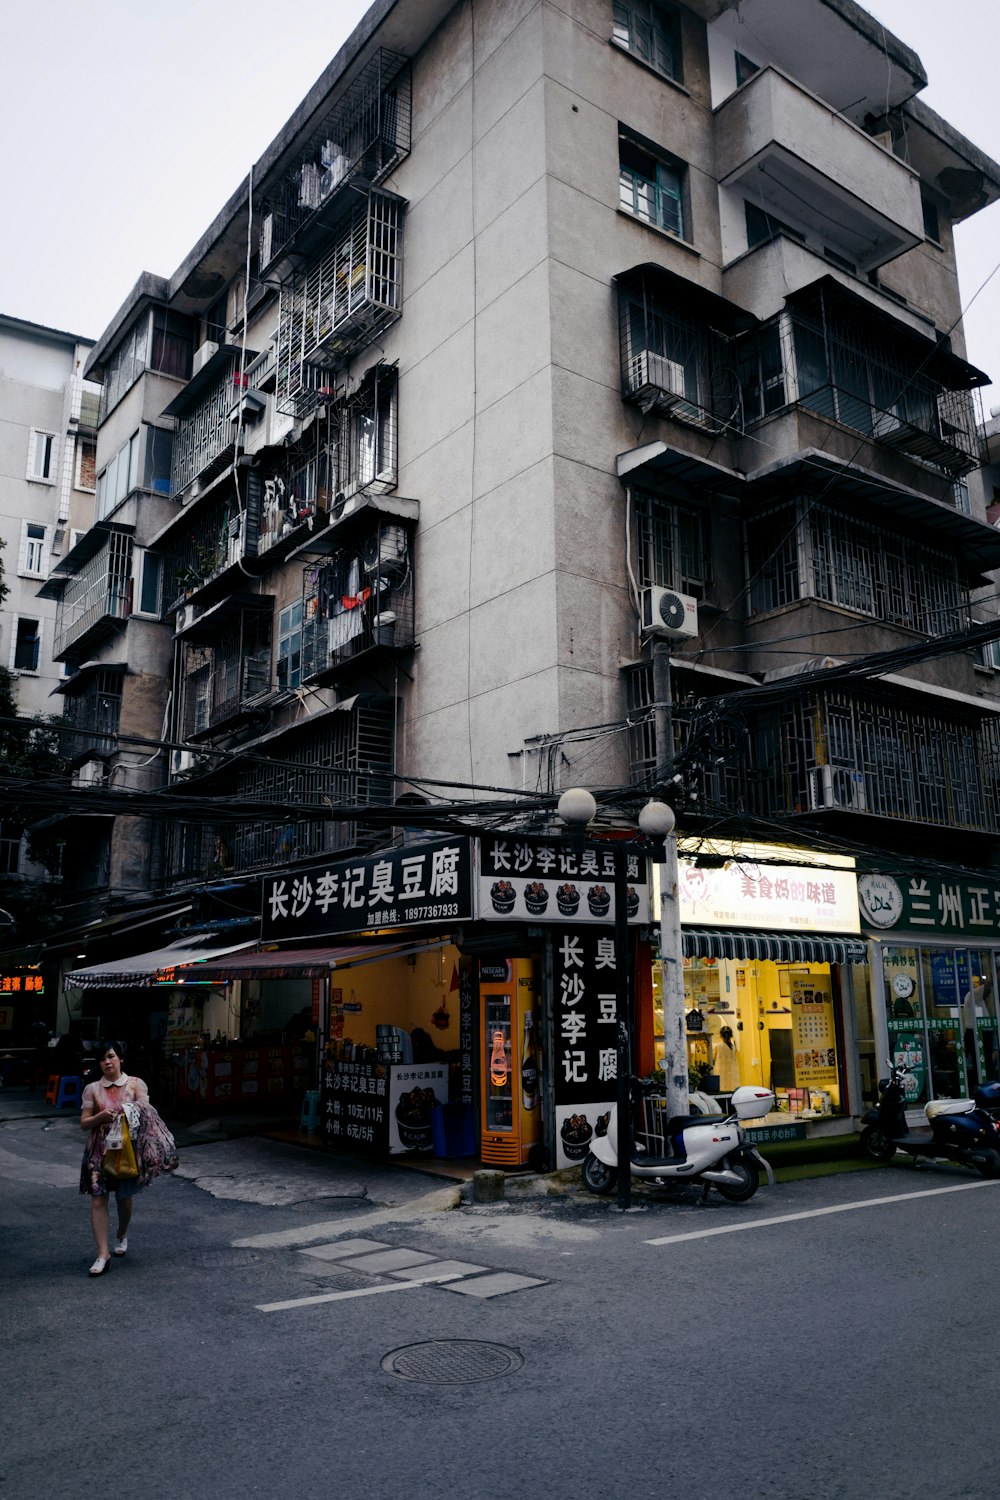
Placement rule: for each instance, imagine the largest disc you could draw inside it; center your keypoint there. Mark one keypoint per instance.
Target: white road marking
(365, 1291)
(816, 1213)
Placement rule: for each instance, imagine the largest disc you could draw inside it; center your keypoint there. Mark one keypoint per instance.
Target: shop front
(932, 1000)
(562, 1053)
(771, 941)
(462, 993)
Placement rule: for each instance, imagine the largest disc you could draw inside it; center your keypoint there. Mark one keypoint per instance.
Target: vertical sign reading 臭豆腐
(585, 1066)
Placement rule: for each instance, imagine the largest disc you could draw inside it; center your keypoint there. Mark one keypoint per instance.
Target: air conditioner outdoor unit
(384, 550)
(181, 761)
(837, 786)
(654, 371)
(185, 618)
(667, 613)
(91, 773)
(202, 355)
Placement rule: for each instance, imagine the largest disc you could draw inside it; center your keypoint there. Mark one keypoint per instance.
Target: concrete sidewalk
(266, 1157)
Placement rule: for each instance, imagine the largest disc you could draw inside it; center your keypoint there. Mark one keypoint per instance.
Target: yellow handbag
(119, 1160)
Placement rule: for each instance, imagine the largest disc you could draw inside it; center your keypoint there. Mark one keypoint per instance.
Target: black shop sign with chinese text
(527, 879)
(585, 1066)
(396, 888)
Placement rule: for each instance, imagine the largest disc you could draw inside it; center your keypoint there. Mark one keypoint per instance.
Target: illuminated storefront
(932, 999)
(769, 937)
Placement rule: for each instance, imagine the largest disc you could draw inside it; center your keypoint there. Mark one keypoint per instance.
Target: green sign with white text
(966, 910)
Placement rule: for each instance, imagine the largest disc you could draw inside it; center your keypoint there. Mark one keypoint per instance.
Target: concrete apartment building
(48, 445)
(565, 326)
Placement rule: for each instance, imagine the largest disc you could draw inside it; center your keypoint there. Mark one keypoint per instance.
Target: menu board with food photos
(585, 1015)
(814, 1040)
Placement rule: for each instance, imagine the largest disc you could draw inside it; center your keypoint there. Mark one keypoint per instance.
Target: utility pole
(675, 1066)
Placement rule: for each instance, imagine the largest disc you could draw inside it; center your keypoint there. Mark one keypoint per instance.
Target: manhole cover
(451, 1361)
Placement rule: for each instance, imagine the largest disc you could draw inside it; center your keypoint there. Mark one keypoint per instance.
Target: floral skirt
(155, 1153)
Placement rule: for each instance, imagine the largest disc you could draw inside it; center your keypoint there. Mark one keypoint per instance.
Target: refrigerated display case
(511, 1059)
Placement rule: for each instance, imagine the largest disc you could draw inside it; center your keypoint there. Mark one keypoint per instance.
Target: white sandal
(100, 1265)
(121, 1246)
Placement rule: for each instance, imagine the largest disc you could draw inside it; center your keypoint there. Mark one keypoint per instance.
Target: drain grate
(451, 1361)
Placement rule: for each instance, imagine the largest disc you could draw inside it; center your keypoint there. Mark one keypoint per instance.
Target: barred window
(672, 545)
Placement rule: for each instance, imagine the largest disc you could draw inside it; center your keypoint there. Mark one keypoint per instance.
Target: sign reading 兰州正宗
(790, 898)
(936, 904)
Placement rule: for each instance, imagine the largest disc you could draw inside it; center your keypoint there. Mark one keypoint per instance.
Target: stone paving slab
(340, 1249)
(387, 1260)
(439, 1268)
(496, 1285)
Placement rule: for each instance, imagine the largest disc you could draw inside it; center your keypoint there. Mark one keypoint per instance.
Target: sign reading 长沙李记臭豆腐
(396, 888)
(524, 878)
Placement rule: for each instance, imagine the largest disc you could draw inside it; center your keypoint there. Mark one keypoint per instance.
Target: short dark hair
(103, 1048)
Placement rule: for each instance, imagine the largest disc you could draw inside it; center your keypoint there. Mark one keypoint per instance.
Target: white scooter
(708, 1148)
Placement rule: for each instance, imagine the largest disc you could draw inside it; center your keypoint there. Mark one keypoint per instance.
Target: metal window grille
(346, 601)
(92, 715)
(773, 558)
(367, 447)
(672, 545)
(217, 536)
(345, 761)
(710, 753)
(340, 303)
(100, 593)
(807, 549)
(878, 754)
(862, 377)
(673, 364)
(222, 679)
(365, 134)
(205, 434)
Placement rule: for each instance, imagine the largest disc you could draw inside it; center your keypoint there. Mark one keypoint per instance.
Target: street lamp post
(675, 1070)
(577, 808)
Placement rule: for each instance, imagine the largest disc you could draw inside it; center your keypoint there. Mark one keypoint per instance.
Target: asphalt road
(274, 1331)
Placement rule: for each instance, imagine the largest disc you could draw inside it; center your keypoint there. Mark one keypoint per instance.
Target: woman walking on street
(104, 1102)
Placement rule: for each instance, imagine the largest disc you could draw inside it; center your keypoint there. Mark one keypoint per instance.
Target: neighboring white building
(48, 426)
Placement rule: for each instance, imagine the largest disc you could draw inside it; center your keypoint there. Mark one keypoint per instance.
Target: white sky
(106, 108)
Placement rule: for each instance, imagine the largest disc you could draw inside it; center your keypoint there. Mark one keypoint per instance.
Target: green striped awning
(779, 947)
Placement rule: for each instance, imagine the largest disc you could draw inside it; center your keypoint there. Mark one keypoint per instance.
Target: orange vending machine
(510, 1031)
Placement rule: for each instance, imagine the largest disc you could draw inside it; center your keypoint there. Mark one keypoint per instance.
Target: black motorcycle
(962, 1130)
